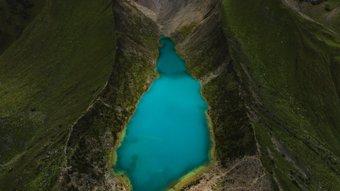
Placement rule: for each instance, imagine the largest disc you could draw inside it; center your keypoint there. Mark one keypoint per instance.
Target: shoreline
(190, 176)
(195, 174)
(121, 175)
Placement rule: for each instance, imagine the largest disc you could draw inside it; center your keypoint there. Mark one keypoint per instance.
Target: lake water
(168, 134)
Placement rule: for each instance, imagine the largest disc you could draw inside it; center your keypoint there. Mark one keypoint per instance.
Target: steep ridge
(325, 12)
(205, 49)
(48, 78)
(60, 61)
(153, 5)
(203, 45)
(278, 89)
(96, 135)
(269, 73)
(289, 65)
(177, 14)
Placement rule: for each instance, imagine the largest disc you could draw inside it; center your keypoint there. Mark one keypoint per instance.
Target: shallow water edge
(191, 175)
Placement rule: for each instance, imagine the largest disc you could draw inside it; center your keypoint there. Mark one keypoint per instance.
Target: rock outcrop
(250, 116)
(269, 72)
(95, 136)
(196, 27)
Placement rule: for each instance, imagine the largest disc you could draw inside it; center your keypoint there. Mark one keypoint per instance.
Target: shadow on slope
(49, 77)
(291, 67)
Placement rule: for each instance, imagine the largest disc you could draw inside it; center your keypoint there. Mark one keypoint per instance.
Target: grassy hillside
(15, 15)
(48, 78)
(291, 66)
(95, 137)
(282, 80)
(326, 12)
(206, 54)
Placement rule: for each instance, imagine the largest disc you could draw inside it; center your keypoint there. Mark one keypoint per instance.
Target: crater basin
(168, 135)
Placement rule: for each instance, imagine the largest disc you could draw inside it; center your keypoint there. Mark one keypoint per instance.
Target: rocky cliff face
(253, 125)
(84, 66)
(95, 136)
(287, 64)
(269, 72)
(174, 15)
(197, 28)
(153, 5)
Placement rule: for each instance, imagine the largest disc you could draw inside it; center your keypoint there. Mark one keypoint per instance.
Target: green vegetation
(331, 4)
(205, 54)
(293, 69)
(92, 144)
(187, 29)
(326, 13)
(282, 82)
(14, 17)
(65, 54)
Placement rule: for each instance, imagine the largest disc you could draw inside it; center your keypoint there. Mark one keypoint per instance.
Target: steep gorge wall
(153, 5)
(205, 48)
(262, 96)
(273, 93)
(196, 27)
(95, 136)
(83, 78)
(288, 65)
(174, 15)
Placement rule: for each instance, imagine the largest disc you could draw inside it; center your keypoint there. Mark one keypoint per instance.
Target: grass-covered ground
(281, 80)
(91, 147)
(15, 15)
(48, 78)
(293, 65)
(326, 12)
(332, 4)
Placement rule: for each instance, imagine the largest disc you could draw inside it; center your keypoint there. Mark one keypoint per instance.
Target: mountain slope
(291, 66)
(49, 77)
(269, 71)
(14, 17)
(90, 151)
(325, 12)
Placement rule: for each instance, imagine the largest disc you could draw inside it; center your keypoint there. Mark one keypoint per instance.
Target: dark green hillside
(96, 135)
(293, 65)
(325, 12)
(72, 72)
(15, 15)
(65, 54)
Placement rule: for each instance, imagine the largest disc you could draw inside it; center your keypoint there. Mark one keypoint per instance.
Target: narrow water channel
(168, 134)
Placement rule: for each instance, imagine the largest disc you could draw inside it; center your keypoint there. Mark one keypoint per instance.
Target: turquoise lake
(168, 134)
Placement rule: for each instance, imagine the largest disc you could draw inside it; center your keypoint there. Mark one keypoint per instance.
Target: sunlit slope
(291, 66)
(48, 78)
